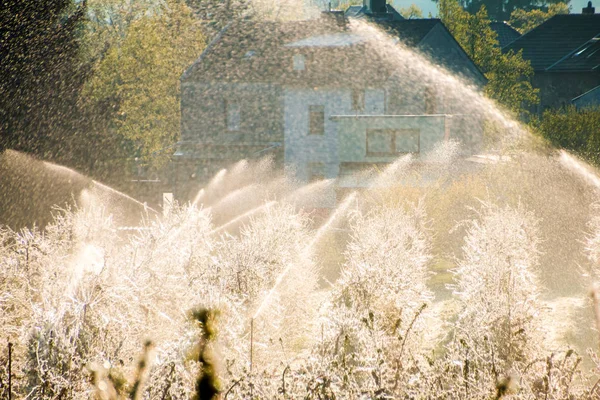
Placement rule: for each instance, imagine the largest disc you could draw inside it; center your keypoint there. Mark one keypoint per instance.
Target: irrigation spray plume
(198, 197)
(218, 178)
(63, 169)
(241, 217)
(462, 97)
(390, 172)
(578, 167)
(123, 195)
(302, 196)
(102, 186)
(233, 196)
(339, 211)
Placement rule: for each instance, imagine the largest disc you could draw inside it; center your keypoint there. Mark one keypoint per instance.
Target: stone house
(563, 52)
(316, 96)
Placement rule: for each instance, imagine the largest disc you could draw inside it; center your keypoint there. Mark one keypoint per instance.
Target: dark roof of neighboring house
(361, 12)
(584, 58)
(555, 38)
(590, 98)
(506, 33)
(410, 31)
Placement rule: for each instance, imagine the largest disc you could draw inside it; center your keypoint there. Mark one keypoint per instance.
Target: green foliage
(502, 10)
(40, 75)
(508, 73)
(411, 12)
(215, 14)
(139, 73)
(524, 21)
(574, 130)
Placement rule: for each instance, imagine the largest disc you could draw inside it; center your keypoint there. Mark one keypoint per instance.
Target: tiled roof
(583, 58)
(556, 38)
(506, 33)
(262, 52)
(589, 98)
(250, 51)
(409, 31)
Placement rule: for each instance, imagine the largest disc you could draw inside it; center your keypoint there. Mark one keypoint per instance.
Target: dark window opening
(316, 120)
(358, 100)
(390, 142)
(232, 116)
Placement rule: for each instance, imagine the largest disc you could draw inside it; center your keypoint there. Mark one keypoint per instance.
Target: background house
(317, 96)
(506, 33)
(563, 52)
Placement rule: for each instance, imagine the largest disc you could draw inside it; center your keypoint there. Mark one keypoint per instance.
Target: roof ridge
(583, 94)
(186, 74)
(527, 34)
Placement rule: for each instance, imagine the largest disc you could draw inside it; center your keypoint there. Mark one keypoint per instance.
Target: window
(407, 140)
(389, 142)
(430, 103)
(233, 117)
(316, 116)
(358, 100)
(299, 63)
(380, 142)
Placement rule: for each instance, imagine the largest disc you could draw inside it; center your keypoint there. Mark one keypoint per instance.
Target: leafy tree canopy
(508, 74)
(501, 10)
(411, 12)
(524, 21)
(575, 130)
(139, 73)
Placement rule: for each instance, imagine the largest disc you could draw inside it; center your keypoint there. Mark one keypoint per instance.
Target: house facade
(316, 96)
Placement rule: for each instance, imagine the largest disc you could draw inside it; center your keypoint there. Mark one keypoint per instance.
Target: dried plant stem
(10, 345)
(251, 342)
(143, 367)
(596, 301)
(287, 368)
(231, 388)
(417, 314)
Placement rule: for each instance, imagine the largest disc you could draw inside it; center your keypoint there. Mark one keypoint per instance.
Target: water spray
(241, 217)
(339, 211)
(212, 184)
(198, 197)
(123, 195)
(579, 168)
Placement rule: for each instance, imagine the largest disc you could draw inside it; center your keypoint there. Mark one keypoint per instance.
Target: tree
(215, 14)
(138, 76)
(411, 12)
(508, 73)
(574, 130)
(502, 10)
(40, 75)
(524, 21)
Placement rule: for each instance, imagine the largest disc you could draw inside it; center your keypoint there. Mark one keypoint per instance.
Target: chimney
(589, 10)
(375, 6)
